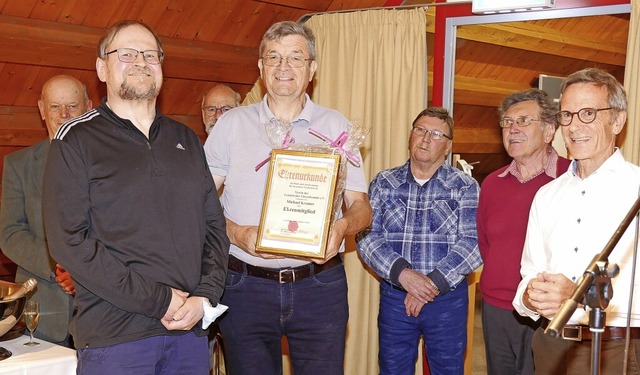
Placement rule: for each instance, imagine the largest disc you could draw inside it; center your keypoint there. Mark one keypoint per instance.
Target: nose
(284, 64)
(139, 59)
(64, 112)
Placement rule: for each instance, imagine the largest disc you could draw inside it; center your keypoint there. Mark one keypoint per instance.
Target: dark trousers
(556, 356)
(158, 355)
(312, 313)
(442, 323)
(507, 340)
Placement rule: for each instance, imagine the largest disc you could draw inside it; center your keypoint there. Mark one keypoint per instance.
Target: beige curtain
(255, 94)
(371, 68)
(631, 144)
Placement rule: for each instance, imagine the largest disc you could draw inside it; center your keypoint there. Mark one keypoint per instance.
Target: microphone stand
(596, 278)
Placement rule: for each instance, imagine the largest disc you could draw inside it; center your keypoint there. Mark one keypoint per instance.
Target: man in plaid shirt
(422, 243)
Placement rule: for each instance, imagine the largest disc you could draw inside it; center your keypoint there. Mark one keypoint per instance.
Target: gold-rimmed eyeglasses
(129, 55)
(521, 121)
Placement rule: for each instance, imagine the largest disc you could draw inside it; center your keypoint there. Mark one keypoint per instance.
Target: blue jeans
(442, 323)
(312, 313)
(158, 355)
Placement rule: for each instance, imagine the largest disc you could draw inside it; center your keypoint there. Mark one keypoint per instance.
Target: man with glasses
(308, 305)
(572, 219)
(216, 102)
(423, 244)
(131, 211)
(22, 235)
(528, 123)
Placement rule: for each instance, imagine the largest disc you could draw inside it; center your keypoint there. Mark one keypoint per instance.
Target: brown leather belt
(582, 332)
(283, 275)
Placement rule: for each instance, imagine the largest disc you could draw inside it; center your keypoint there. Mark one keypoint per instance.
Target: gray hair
(279, 30)
(548, 108)
(616, 96)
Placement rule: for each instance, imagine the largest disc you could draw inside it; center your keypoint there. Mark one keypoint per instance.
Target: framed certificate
(298, 203)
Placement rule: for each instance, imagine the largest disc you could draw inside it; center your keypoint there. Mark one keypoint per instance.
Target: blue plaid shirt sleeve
(372, 245)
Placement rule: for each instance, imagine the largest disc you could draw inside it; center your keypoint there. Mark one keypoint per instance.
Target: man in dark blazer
(22, 236)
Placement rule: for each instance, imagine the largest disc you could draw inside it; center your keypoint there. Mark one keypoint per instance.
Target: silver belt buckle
(283, 272)
(578, 336)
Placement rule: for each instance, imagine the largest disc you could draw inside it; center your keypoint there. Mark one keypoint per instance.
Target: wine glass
(31, 319)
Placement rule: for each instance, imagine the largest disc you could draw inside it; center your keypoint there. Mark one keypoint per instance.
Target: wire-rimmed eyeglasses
(292, 61)
(436, 135)
(521, 121)
(211, 110)
(129, 55)
(586, 115)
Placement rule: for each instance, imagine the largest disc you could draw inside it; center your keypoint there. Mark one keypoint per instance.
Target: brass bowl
(10, 311)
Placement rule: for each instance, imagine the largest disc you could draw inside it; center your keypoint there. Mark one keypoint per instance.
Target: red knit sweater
(503, 213)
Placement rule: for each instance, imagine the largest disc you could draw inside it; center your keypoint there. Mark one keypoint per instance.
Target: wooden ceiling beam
(314, 6)
(529, 37)
(36, 42)
(479, 91)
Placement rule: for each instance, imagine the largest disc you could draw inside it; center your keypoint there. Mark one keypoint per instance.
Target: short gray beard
(128, 92)
(208, 127)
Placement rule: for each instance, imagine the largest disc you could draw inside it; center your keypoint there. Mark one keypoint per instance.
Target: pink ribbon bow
(339, 144)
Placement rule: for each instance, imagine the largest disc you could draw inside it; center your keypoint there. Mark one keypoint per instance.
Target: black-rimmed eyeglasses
(129, 55)
(586, 115)
(521, 121)
(211, 110)
(292, 61)
(436, 135)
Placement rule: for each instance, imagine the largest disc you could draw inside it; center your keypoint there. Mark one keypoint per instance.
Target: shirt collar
(612, 163)
(267, 116)
(550, 168)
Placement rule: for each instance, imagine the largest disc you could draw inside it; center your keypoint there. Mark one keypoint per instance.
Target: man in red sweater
(528, 123)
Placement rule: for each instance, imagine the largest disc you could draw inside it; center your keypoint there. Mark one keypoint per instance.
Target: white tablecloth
(46, 358)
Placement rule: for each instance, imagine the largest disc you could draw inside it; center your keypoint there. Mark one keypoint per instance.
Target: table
(46, 358)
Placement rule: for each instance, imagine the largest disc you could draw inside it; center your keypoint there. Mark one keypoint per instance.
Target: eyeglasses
(522, 121)
(436, 135)
(586, 115)
(56, 108)
(211, 110)
(292, 61)
(129, 55)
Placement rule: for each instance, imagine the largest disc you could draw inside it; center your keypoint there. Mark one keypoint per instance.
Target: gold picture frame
(298, 203)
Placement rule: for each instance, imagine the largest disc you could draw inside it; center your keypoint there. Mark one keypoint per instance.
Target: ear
(101, 69)
(618, 122)
(41, 108)
(89, 104)
(312, 69)
(548, 132)
(260, 66)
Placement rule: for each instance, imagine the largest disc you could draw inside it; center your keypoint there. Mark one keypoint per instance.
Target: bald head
(62, 98)
(216, 101)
